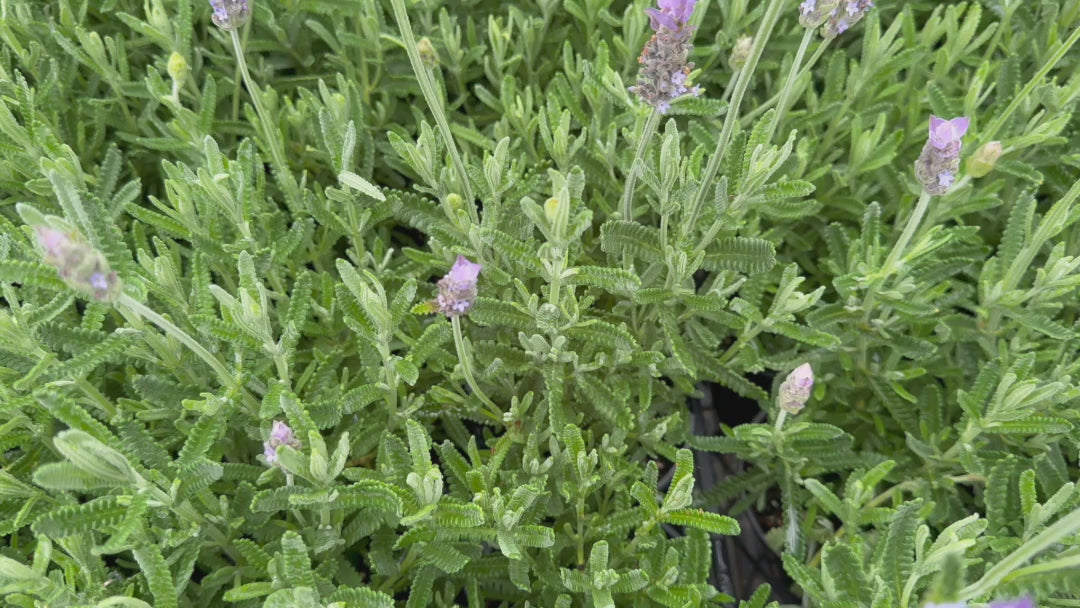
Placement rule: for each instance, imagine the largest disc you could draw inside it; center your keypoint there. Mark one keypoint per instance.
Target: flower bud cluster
(82, 267)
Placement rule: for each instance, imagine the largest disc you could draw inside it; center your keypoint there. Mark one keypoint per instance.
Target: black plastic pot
(742, 563)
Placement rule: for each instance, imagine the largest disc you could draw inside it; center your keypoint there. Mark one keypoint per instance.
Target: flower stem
(273, 135)
(768, 22)
(789, 84)
(762, 108)
(434, 104)
(466, 369)
(909, 231)
(887, 268)
(780, 417)
(626, 208)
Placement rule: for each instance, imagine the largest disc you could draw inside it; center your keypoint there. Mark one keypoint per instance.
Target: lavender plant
(391, 303)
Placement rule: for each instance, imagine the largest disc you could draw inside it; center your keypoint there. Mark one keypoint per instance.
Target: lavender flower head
(81, 266)
(457, 290)
(844, 16)
(795, 389)
(280, 434)
(812, 13)
(230, 14)
(664, 65)
(940, 158)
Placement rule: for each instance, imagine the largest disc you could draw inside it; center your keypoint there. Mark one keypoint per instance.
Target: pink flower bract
(944, 132)
(464, 271)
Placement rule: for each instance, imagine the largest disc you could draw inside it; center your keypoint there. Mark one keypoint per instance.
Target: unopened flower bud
(457, 290)
(230, 14)
(178, 68)
(428, 54)
(82, 267)
(551, 209)
(456, 202)
(795, 389)
(984, 159)
(740, 52)
(558, 216)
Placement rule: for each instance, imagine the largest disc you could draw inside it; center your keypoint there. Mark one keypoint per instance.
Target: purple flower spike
(664, 65)
(230, 14)
(280, 434)
(457, 290)
(812, 13)
(939, 161)
(795, 390)
(82, 267)
(944, 132)
(843, 16)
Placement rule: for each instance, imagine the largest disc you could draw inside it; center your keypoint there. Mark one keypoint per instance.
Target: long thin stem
(909, 231)
(1051, 535)
(762, 108)
(226, 377)
(273, 136)
(1000, 120)
(465, 359)
(888, 267)
(768, 22)
(789, 84)
(434, 103)
(626, 208)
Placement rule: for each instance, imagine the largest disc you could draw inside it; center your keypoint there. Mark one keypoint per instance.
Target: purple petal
(52, 241)
(99, 281)
(1023, 602)
(281, 432)
(464, 271)
(960, 125)
(659, 19)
